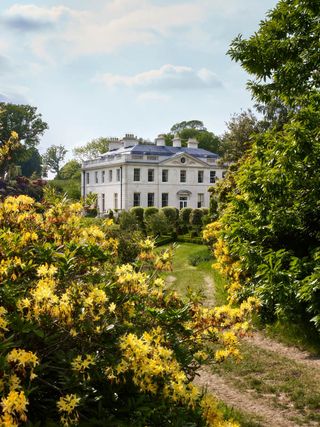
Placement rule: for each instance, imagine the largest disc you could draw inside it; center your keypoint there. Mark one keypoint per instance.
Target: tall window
(96, 177)
(115, 199)
(183, 202)
(118, 174)
(88, 178)
(103, 174)
(136, 199)
(136, 175)
(212, 177)
(150, 175)
(103, 202)
(200, 176)
(200, 200)
(183, 176)
(150, 199)
(164, 199)
(165, 174)
(110, 175)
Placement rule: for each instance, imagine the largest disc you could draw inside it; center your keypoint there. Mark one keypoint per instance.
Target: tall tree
(53, 158)
(71, 170)
(272, 217)
(239, 137)
(92, 149)
(27, 125)
(31, 163)
(22, 119)
(194, 129)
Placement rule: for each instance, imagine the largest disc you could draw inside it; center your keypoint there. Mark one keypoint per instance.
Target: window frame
(152, 175)
(138, 171)
(149, 201)
(200, 176)
(183, 176)
(163, 205)
(165, 173)
(136, 202)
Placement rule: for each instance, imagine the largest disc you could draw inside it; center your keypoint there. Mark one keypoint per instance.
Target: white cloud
(167, 77)
(117, 24)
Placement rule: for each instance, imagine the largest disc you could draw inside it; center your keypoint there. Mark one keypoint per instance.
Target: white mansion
(132, 174)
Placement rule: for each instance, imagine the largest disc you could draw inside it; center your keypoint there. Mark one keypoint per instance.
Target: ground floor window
(115, 200)
(200, 200)
(183, 202)
(103, 202)
(150, 199)
(164, 199)
(136, 199)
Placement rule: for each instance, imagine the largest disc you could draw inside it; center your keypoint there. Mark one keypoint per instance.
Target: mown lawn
(193, 272)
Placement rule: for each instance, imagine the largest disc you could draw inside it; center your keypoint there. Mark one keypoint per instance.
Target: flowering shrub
(88, 342)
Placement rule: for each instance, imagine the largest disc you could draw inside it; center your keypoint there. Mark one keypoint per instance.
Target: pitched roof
(156, 150)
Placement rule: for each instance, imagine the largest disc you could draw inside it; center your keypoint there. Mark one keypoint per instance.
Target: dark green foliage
(270, 201)
(147, 212)
(184, 216)
(172, 214)
(195, 218)
(71, 170)
(30, 163)
(138, 212)
(53, 158)
(22, 119)
(157, 224)
(70, 187)
(128, 221)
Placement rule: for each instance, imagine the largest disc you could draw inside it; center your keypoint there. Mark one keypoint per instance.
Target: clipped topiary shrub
(184, 216)
(147, 212)
(138, 212)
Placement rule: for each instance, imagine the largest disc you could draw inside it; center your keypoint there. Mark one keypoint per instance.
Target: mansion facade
(132, 174)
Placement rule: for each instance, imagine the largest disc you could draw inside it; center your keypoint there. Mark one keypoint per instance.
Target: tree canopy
(22, 119)
(53, 158)
(92, 149)
(267, 238)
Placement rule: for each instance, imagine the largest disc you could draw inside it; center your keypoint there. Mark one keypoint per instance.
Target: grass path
(275, 385)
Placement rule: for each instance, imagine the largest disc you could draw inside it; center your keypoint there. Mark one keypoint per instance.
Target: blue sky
(109, 67)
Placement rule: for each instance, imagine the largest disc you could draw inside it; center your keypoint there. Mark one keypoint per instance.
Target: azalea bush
(87, 341)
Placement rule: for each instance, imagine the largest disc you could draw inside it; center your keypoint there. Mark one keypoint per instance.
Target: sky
(110, 67)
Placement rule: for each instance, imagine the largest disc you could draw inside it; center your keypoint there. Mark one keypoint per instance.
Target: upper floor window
(200, 176)
(103, 173)
(165, 175)
(137, 156)
(150, 199)
(183, 176)
(152, 157)
(136, 176)
(150, 175)
(110, 175)
(212, 177)
(118, 174)
(88, 178)
(136, 199)
(96, 177)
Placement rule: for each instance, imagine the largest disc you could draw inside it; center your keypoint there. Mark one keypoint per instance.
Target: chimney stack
(160, 141)
(114, 144)
(192, 143)
(129, 140)
(176, 141)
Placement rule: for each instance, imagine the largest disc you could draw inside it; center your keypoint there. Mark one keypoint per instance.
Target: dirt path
(292, 353)
(265, 414)
(261, 408)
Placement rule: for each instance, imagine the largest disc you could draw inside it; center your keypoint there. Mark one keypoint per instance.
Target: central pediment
(183, 160)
